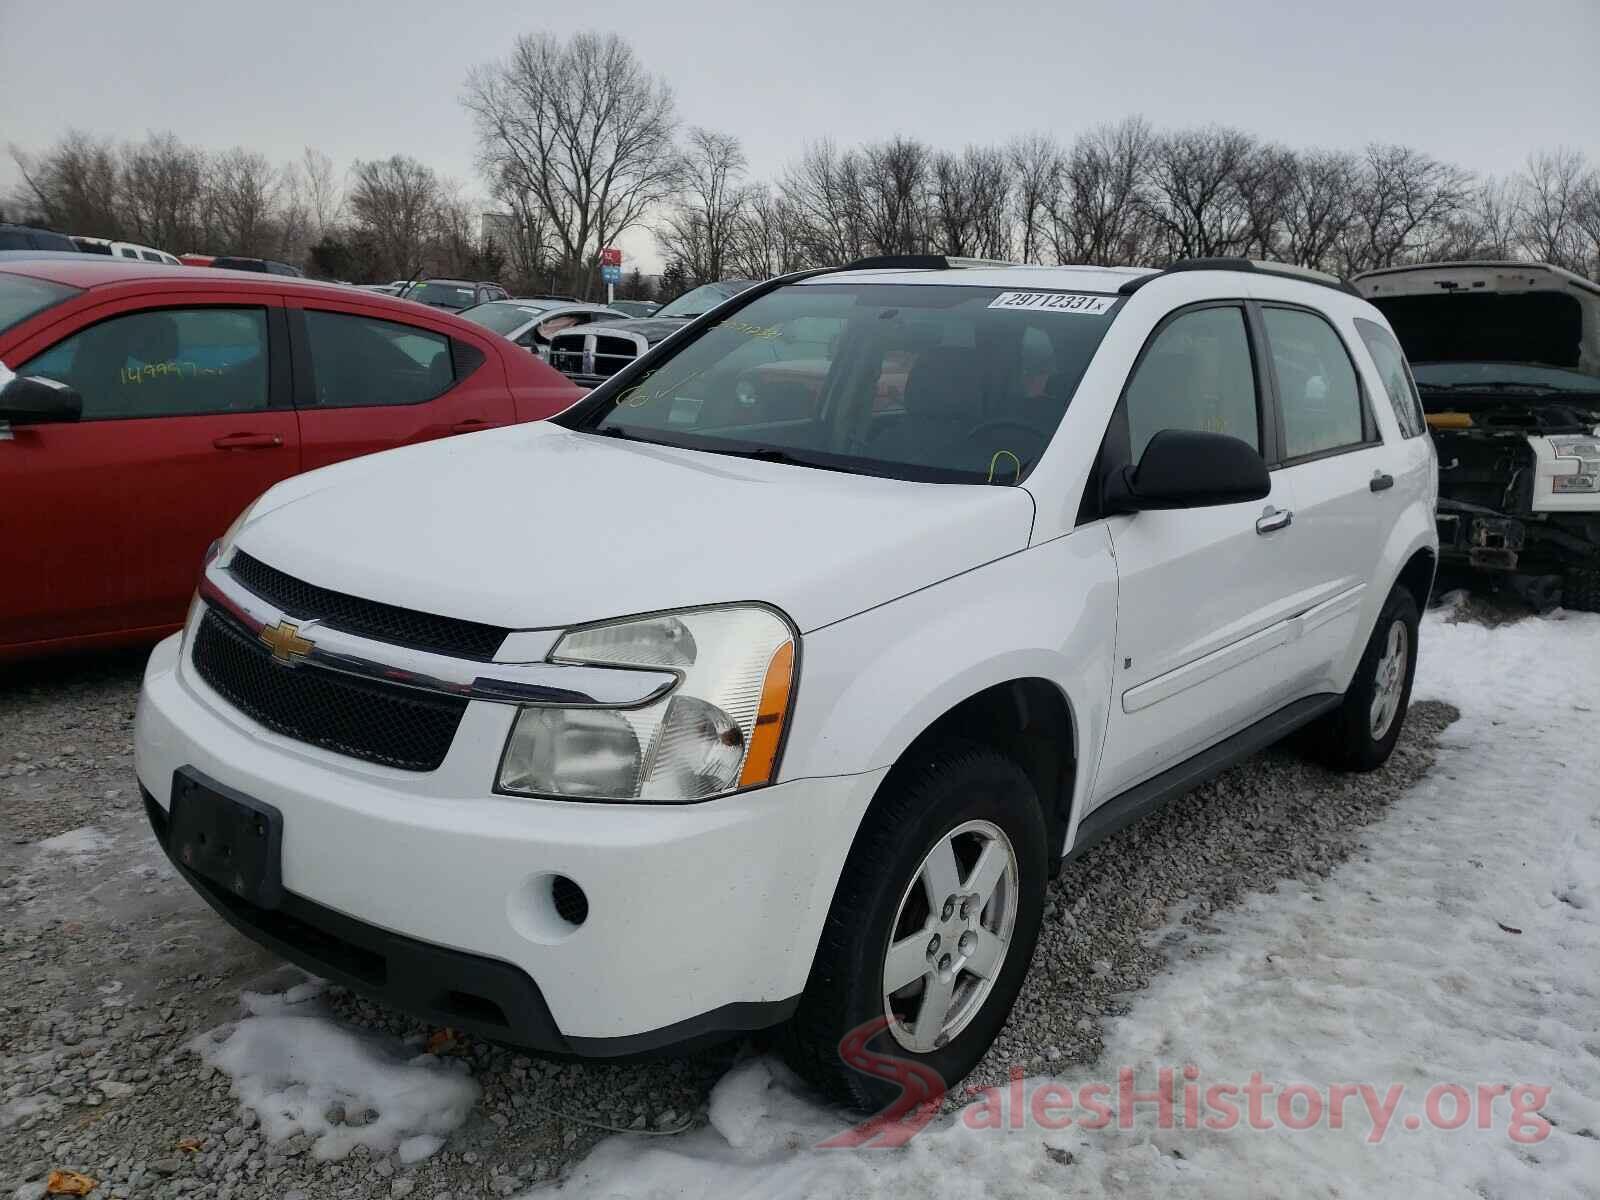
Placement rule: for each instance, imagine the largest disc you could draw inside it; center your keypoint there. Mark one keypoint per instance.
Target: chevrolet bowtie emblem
(285, 642)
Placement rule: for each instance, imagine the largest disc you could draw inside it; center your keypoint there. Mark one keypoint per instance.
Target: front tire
(931, 930)
(1361, 733)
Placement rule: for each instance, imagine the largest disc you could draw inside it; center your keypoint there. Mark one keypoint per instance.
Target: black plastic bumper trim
(470, 992)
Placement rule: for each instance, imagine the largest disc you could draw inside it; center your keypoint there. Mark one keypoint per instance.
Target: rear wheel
(1361, 733)
(930, 934)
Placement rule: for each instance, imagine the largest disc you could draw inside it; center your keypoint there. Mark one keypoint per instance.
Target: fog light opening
(572, 906)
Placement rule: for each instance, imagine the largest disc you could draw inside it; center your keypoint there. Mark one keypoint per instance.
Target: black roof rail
(902, 262)
(1255, 266)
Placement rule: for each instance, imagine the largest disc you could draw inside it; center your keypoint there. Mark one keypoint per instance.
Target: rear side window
(164, 363)
(1318, 390)
(1396, 375)
(359, 362)
(1198, 375)
(150, 256)
(22, 296)
(127, 252)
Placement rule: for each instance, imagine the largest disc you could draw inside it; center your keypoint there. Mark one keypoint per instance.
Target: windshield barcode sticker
(1054, 302)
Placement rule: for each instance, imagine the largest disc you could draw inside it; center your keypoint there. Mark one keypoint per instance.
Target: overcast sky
(1479, 82)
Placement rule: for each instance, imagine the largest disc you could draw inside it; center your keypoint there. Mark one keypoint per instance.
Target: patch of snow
(303, 1072)
(84, 840)
(1459, 949)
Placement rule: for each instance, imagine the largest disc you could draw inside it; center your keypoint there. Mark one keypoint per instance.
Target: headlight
(1586, 476)
(717, 732)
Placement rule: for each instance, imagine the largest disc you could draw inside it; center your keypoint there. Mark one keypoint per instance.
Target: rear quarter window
(1395, 372)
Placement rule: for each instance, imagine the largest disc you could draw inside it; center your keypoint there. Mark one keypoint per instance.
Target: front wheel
(1361, 733)
(930, 934)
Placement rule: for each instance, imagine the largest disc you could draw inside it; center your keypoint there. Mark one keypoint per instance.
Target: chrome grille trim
(549, 684)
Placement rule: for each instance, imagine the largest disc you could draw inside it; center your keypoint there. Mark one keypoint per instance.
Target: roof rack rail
(919, 262)
(1253, 265)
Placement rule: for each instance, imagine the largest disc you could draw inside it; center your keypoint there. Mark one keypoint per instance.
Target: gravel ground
(109, 965)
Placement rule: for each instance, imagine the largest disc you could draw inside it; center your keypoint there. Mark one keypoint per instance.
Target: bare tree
(1405, 203)
(323, 192)
(1036, 169)
(1589, 220)
(164, 194)
(1316, 210)
(1194, 179)
(395, 200)
(1100, 215)
(74, 185)
(1486, 226)
(823, 192)
(583, 128)
(244, 191)
(970, 212)
(891, 198)
(699, 230)
(769, 238)
(1549, 196)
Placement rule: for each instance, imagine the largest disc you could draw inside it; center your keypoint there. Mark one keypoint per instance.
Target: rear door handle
(247, 441)
(1381, 482)
(1274, 519)
(471, 424)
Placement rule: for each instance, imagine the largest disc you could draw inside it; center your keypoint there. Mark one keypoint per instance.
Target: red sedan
(195, 391)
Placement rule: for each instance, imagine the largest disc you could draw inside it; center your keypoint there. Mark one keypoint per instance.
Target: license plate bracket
(231, 839)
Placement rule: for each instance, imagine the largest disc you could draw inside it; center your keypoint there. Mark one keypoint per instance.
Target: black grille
(377, 722)
(611, 354)
(387, 622)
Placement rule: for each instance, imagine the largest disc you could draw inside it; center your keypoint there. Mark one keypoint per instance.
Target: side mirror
(35, 400)
(1183, 468)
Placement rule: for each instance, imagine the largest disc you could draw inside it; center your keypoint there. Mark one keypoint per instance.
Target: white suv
(768, 685)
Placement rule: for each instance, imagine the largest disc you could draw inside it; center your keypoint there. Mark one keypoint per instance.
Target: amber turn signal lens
(761, 763)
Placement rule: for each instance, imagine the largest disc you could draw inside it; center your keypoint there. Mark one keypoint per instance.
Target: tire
(1580, 590)
(988, 803)
(1358, 735)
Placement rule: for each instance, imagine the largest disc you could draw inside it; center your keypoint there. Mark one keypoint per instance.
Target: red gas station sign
(610, 256)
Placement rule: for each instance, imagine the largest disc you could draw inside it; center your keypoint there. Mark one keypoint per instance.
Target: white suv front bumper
(703, 918)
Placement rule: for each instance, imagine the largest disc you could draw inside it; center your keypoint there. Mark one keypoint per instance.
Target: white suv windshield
(918, 381)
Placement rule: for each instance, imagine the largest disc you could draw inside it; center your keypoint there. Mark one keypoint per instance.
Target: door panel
(1204, 633)
(1333, 452)
(366, 382)
(185, 422)
(1204, 610)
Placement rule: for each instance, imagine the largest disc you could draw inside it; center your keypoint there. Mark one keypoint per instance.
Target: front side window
(1317, 386)
(1197, 374)
(164, 363)
(22, 296)
(359, 362)
(936, 382)
(1396, 376)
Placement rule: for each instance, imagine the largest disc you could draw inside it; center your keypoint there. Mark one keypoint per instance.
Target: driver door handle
(247, 441)
(1274, 519)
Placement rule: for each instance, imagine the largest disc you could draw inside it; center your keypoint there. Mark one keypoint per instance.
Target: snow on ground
(81, 842)
(1442, 990)
(302, 1072)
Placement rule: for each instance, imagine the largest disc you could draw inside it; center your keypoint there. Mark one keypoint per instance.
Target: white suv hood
(538, 527)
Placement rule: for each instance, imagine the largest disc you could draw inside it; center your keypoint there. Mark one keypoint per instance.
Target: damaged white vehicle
(1507, 359)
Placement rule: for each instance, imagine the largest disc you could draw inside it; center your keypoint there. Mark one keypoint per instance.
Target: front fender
(872, 682)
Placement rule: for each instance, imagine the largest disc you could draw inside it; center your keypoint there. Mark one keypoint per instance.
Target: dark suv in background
(454, 295)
